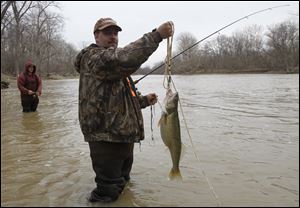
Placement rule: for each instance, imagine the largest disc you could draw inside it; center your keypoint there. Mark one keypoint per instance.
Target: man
(30, 86)
(110, 107)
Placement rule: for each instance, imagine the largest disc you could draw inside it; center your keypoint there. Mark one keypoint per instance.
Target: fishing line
(152, 117)
(167, 77)
(152, 120)
(245, 17)
(170, 80)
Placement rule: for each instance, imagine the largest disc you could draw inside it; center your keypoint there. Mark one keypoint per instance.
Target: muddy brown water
(245, 131)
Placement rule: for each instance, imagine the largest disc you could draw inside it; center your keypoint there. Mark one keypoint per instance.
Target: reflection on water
(245, 129)
(32, 122)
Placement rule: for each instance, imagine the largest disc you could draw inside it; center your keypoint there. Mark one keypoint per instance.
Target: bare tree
(20, 9)
(34, 32)
(185, 40)
(5, 15)
(188, 61)
(248, 47)
(43, 29)
(4, 7)
(283, 45)
(5, 22)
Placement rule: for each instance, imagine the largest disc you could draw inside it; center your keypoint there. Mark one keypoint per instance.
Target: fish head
(171, 101)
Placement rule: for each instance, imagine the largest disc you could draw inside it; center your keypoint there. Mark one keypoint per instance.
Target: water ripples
(245, 130)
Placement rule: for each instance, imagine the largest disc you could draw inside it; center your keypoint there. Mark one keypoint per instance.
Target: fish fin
(159, 122)
(167, 149)
(163, 118)
(183, 151)
(175, 175)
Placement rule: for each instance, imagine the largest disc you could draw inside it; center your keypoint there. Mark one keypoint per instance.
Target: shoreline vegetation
(32, 32)
(8, 81)
(11, 80)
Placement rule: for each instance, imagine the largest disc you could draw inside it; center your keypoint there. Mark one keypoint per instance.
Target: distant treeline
(249, 50)
(30, 30)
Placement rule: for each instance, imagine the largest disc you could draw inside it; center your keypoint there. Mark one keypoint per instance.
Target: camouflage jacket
(109, 106)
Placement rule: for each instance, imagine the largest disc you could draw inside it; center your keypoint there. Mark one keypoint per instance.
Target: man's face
(108, 37)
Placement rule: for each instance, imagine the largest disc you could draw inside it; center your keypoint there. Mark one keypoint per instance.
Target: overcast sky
(198, 18)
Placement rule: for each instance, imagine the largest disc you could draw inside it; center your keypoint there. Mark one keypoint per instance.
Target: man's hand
(166, 30)
(152, 98)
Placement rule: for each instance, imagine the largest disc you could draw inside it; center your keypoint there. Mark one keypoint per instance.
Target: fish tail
(175, 174)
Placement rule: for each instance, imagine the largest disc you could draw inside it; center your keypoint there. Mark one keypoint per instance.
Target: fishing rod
(136, 81)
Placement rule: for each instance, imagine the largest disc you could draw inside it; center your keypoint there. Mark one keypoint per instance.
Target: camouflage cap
(104, 23)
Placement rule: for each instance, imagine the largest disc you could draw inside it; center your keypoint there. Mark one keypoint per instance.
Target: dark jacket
(28, 82)
(109, 110)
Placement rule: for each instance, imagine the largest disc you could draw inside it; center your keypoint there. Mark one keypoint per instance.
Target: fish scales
(170, 131)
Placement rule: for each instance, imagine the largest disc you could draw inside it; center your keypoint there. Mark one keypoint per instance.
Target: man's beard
(114, 45)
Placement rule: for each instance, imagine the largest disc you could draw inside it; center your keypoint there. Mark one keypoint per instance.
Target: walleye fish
(170, 131)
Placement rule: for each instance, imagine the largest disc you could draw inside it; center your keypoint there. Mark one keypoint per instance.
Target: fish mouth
(173, 100)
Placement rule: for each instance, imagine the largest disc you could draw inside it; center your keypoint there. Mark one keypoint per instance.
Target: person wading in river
(109, 106)
(30, 86)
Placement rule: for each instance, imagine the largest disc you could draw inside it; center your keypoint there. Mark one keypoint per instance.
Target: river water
(244, 130)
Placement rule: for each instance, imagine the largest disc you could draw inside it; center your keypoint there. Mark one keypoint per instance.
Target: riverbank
(294, 70)
(8, 81)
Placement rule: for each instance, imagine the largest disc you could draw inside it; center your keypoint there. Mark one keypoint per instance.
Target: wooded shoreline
(7, 80)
